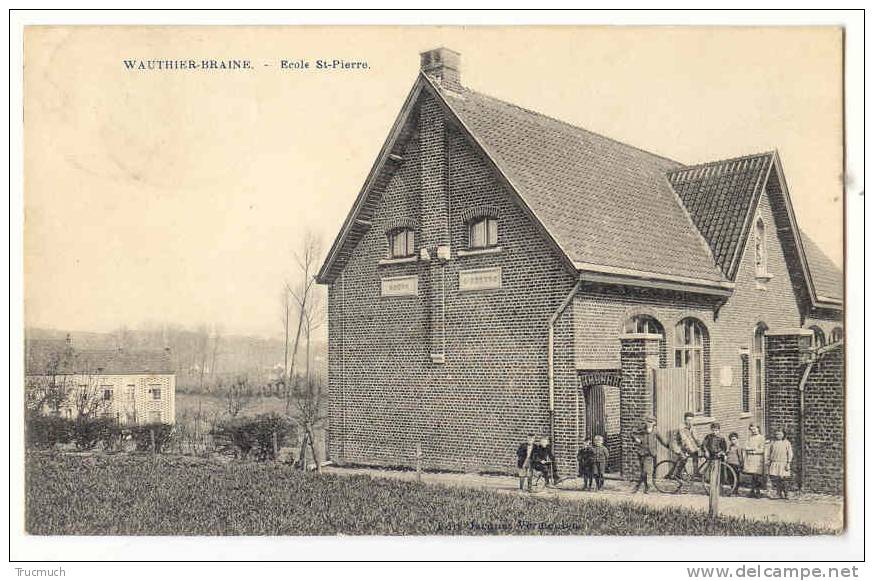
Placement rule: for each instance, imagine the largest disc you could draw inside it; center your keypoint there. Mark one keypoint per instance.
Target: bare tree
(48, 392)
(303, 292)
(310, 415)
(237, 396)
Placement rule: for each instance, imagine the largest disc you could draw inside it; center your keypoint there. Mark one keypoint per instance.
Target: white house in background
(132, 387)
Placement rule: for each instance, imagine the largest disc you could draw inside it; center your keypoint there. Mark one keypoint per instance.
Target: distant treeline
(202, 357)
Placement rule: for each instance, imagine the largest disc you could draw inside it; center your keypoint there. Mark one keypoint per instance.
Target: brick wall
(385, 393)
(824, 404)
(818, 465)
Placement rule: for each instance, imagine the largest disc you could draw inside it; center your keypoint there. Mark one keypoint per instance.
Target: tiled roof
(604, 202)
(827, 277)
(40, 355)
(719, 196)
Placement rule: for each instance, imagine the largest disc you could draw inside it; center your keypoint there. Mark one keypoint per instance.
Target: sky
(179, 196)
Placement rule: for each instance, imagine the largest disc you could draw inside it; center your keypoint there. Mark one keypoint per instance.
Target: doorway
(596, 411)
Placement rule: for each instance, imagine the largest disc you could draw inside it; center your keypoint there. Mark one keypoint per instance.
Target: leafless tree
(50, 391)
(238, 395)
(304, 293)
(310, 415)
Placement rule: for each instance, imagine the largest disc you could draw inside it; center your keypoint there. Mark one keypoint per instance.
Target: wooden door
(596, 411)
(670, 395)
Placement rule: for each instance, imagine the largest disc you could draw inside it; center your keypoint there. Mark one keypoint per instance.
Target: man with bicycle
(687, 446)
(543, 461)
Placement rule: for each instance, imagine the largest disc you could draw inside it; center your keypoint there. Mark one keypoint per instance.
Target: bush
(244, 436)
(88, 432)
(45, 431)
(142, 436)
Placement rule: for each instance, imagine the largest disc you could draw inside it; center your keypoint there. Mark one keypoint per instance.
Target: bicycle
(537, 478)
(669, 476)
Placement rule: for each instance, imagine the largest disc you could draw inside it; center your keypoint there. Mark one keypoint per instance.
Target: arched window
(650, 325)
(818, 337)
(837, 335)
(483, 232)
(401, 243)
(644, 324)
(758, 352)
(691, 353)
(761, 249)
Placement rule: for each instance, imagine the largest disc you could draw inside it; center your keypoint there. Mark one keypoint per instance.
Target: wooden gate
(669, 398)
(596, 413)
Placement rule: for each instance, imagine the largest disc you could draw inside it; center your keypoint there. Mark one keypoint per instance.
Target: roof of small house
(608, 206)
(719, 196)
(828, 279)
(55, 357)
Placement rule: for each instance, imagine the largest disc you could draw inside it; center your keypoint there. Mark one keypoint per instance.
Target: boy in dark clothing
(600, 455)
(585, 458)
(715, 445)
(523, 461)
(734, 456)
(647, 440)
(544, 461)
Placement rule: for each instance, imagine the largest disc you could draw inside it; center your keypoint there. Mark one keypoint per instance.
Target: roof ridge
(721, 161)
(568, 124)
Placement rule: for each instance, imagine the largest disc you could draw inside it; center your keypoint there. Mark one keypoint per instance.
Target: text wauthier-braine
(239, 64)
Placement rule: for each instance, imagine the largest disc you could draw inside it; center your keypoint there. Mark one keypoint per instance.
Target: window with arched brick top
(401, 243)
(692, 352)
(837, 335)
(818, 337)
(758, 353)
(483, 232)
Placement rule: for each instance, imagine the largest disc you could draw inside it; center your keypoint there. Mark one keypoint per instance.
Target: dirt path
(816, 510)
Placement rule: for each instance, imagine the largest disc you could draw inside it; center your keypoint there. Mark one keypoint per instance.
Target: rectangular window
(107, 393)
(402, 243)
(131, 392)
(484, 233)
(156, 393)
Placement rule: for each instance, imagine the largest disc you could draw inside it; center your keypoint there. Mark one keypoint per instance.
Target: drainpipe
(550, 348)
(812, 358)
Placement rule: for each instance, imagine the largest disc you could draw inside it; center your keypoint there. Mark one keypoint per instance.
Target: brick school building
(502, 272)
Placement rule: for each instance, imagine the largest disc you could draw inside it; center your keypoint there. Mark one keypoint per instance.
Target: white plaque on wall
(479, 279)
(726, 376)
(400, 286)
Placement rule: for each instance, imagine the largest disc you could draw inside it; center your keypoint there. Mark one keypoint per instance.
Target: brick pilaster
(786, 354)
(639, 354)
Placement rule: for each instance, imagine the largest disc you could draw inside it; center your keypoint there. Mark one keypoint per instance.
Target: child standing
(734, 456)
(754, 460)
(585, 457)
(600, 455)
(780, 463)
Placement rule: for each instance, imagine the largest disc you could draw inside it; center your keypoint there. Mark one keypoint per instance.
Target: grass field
(125, 494)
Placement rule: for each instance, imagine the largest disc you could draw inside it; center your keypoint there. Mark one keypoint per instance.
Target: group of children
(754, 459)
(592, 460)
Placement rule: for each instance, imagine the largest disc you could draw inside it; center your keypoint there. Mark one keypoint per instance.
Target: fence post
(275, 447)
(152, 439)
(419, 462)
(715, 477)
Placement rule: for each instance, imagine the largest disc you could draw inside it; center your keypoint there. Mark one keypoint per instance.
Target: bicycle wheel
(727, 481)
(663, 479)
(538, 482)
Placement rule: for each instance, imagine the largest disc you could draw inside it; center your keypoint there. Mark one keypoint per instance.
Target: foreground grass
(134, 495)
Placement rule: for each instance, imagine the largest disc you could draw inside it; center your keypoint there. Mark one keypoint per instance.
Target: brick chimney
(442, 65)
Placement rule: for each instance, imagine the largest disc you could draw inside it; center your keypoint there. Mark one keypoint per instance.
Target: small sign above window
(479, 279)
(400, 286)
